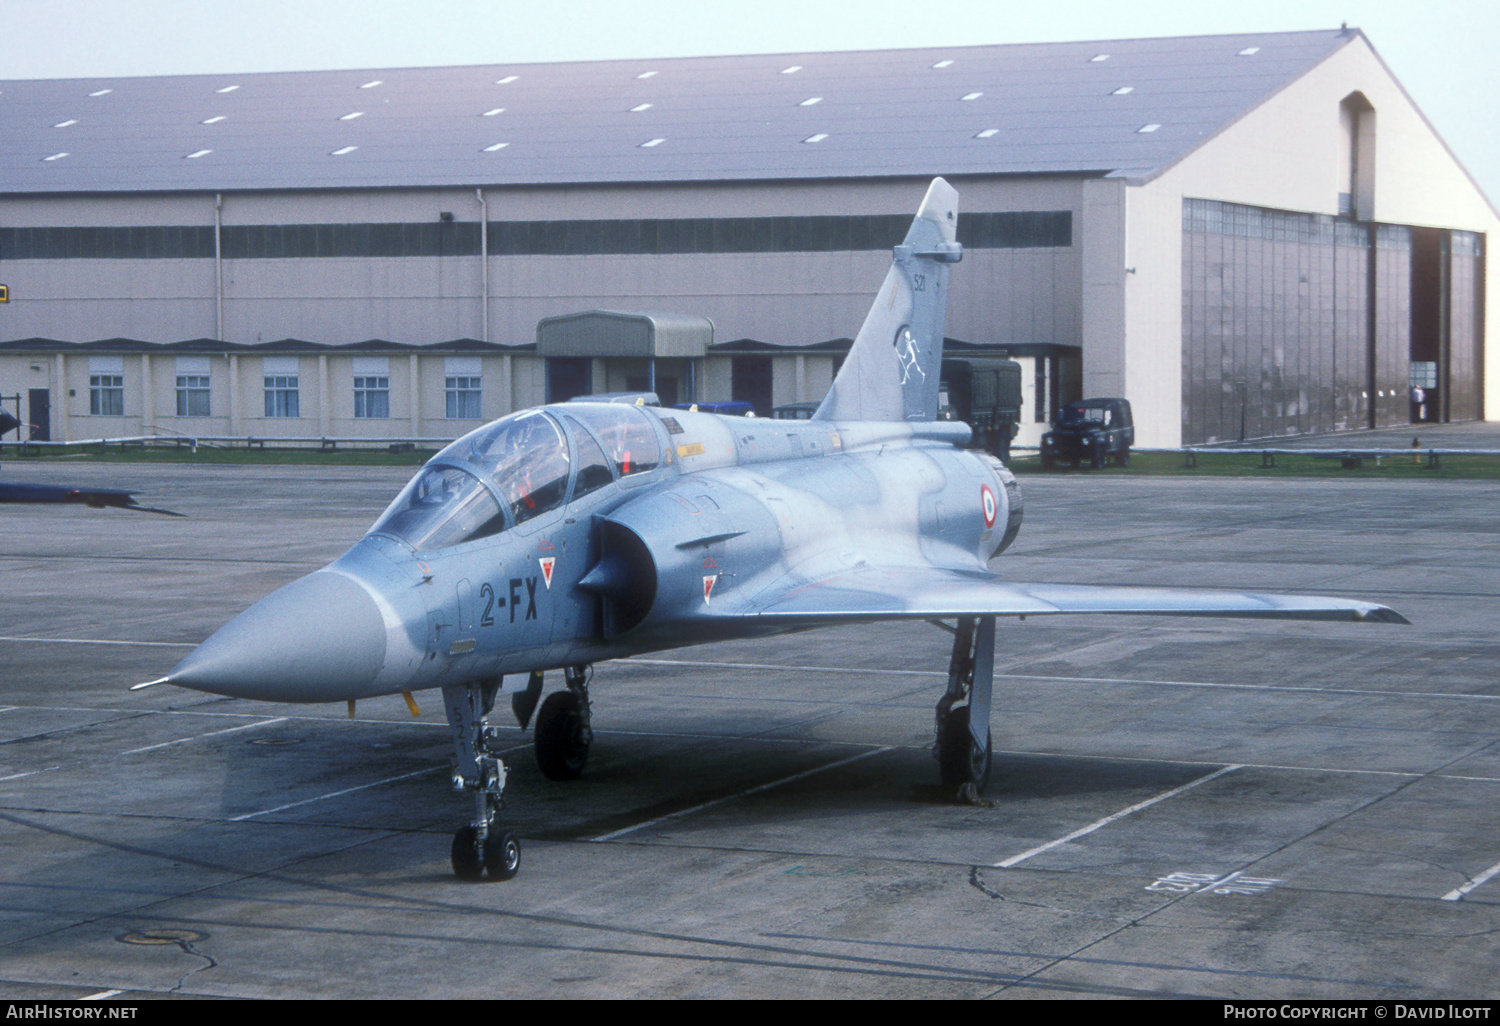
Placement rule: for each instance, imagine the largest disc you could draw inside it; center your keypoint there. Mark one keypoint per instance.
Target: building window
(192, 395)
(1423, 374)
(281, 395)
(107, 395)
(463, 398)
(372, 397)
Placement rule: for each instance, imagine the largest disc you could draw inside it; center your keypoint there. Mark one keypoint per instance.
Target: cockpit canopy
(517, 468)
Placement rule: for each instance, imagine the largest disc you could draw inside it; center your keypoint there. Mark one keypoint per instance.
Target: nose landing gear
(499, 854)
(483, 846)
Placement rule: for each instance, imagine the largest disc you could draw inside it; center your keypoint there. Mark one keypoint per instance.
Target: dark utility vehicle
(1091, 430)
(795, 411)
(986, 395)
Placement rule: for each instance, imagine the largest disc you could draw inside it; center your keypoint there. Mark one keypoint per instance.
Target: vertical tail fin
(893, 367)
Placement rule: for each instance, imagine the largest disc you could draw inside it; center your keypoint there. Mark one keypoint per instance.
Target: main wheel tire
(960, 761)
(1123, 457)
(502, 856)
(467, 864)
(561, 748)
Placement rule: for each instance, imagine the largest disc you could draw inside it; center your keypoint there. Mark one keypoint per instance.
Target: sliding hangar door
(1303, 323)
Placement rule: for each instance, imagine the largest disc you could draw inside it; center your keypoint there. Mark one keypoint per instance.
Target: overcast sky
(1442, 51)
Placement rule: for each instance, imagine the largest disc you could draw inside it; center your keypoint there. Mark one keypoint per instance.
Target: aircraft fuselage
(694, 529)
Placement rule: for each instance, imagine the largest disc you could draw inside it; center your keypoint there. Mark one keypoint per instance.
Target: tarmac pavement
(1179, 808)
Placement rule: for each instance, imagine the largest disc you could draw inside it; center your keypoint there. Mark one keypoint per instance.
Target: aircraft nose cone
(319, 639)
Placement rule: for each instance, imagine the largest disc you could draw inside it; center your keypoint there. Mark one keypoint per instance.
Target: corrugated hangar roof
(1125, 106)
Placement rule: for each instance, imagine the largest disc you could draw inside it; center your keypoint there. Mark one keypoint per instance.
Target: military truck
(1090, 430)
(986, 395)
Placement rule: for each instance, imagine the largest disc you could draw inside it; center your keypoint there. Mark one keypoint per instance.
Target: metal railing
(1350, 456)
(323, 442)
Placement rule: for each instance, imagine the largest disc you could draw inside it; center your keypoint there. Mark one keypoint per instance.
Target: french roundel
(988, 498)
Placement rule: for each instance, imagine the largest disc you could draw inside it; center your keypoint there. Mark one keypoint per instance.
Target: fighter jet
(96, 498)
(567, 535)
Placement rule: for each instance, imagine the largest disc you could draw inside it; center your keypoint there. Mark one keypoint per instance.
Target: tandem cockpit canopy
(517, 468)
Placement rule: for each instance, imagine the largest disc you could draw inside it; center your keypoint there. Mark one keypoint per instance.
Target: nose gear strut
(484, 845)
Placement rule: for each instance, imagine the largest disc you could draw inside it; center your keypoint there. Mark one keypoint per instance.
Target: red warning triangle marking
(545, 546)
(547, 564)
(709, 564)
(708, 586)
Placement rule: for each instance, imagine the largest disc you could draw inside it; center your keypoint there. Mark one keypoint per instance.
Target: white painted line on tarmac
(742, 794)
(713, 664)
(335, 794)
(1015, 859)
(101, 995)
(200, 737)
(100, 641)
(1459, 892)
(1380, 692)
(29, 773)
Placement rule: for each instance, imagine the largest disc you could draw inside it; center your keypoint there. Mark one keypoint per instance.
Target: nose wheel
(499, 855)
(484, 846)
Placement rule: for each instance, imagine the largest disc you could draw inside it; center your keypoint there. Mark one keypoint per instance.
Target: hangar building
(1248, 236)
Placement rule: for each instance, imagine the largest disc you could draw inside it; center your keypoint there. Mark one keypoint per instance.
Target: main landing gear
(963, 713)
(484, 846)
(563, 728)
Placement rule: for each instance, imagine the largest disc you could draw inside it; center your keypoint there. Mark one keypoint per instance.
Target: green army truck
(986, 395)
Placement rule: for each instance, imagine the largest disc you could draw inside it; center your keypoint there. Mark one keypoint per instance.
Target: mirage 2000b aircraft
(563, 536)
